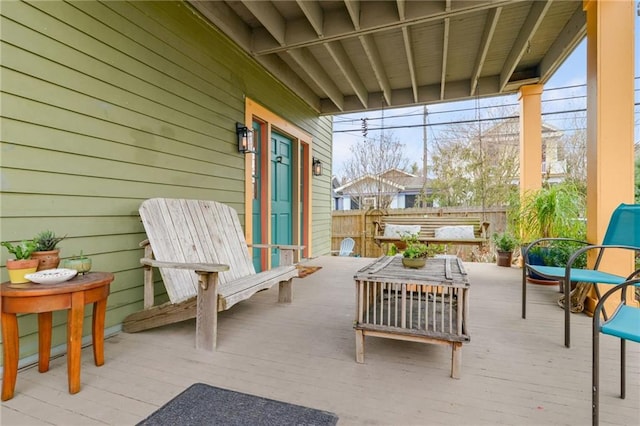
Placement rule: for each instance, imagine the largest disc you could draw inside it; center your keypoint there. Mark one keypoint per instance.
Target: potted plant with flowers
(22, 263)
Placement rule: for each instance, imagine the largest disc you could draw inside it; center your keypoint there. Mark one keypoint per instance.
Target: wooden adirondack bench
(205, 265)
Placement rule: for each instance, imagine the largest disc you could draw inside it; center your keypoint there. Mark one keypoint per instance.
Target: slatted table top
(442, 270)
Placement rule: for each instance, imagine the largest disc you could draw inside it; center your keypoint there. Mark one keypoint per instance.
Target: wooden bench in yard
(467, 230)
(205, 264)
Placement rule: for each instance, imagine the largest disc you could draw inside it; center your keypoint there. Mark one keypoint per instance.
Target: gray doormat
(202, 404)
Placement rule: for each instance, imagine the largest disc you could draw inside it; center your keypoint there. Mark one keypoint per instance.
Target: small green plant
(21, 250)
(47, 240)
(504, 241)
(393, 250)
(78, 257)
(416, 250)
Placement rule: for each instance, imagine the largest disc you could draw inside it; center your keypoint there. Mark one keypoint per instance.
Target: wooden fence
(358, 224)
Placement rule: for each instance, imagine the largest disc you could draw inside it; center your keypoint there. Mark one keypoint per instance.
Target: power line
(419, 113)
(467, 121)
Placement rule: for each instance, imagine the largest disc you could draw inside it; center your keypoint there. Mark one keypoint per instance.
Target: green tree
(476, 167)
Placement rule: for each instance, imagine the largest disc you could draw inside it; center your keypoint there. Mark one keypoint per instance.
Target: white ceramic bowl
(51, 276)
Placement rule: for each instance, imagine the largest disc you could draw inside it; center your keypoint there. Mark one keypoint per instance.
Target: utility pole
(424, 147)
(423, 197)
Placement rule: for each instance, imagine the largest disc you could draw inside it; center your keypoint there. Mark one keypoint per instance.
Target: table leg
(10, 351)
(456, 359)
(359, 346)
(75, 315)
(97, 331)
(45, 321)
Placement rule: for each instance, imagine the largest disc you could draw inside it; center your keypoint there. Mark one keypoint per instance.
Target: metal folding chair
(624, 324)
(623, 232)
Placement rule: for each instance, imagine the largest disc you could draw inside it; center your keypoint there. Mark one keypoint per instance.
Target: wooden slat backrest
(194, 231)
(428, 225)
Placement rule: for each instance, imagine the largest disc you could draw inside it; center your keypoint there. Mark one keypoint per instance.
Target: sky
(560, 93)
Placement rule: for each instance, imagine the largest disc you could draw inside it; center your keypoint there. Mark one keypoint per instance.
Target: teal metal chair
(624, 324)
(623, 232)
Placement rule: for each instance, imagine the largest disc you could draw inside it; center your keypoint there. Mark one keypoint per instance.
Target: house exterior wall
(107, 104)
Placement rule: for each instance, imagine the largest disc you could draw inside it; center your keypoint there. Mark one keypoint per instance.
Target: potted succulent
(505, 244)
(81, 263)
(416, 253)
(21, 264)
(47, 253)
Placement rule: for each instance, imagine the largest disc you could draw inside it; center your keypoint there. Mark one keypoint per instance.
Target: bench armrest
(204, 267)
(278, 246)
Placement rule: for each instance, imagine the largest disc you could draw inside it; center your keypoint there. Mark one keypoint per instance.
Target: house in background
(395, 189)
(398, 189)
(554, 162)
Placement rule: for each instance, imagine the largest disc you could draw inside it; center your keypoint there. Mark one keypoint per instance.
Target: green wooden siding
(107, 104)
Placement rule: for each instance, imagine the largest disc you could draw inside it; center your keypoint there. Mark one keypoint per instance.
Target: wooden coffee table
(428, 305)
(43, 299)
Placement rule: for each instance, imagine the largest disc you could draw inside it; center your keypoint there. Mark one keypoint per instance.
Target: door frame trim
(301, 150)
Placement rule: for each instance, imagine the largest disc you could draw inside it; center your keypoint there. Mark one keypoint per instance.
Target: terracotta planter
(19, 268)
(504, 258)
(414, 263)
(47, 259)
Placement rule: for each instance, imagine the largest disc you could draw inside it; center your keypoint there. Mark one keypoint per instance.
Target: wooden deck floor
(514, 371)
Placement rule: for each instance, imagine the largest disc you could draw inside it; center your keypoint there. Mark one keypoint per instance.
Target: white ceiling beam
(568, 39)
(314, 14)
(376, 63)
(408, 43)
(339, 55)
(270, 18)
(529, 28)
(311, 66)
(445, 49)
(353, 7)
(429, 94)
(445, 52)
(402, 8)
(485, 42)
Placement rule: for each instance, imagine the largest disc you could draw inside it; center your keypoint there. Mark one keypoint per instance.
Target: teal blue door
(281, 193)
(257, 199)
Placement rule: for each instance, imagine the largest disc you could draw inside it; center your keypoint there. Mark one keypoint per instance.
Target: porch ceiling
(345, 56)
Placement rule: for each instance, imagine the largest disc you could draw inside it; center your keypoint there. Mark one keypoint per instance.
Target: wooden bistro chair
(623, 232)
(624, 324)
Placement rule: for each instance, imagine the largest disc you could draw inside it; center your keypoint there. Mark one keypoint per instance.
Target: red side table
(43, 299)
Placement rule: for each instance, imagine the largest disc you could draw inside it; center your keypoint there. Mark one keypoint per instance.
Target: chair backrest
(346, 247)
(194, 231)
(624, 226)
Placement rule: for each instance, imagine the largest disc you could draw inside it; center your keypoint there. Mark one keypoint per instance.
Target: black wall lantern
(317, 167)
(245, 139)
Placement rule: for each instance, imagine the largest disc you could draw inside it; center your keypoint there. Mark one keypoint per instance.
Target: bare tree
(371, 172)
(574, 150)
